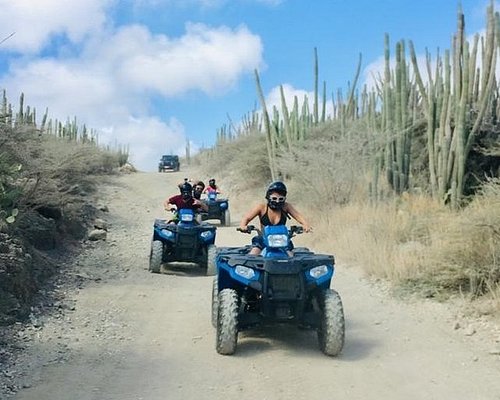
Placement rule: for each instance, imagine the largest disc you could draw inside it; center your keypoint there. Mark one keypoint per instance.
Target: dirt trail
(136, 335)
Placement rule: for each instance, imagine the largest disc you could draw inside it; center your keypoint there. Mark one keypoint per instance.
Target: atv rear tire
(211, 260)
(227, 322)
(226, 219)
(215, 301)
(156, 256)
(331, 333)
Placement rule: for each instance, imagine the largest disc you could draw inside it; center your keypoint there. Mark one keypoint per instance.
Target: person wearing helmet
(185, 199)
(275, 211)
(212, 187)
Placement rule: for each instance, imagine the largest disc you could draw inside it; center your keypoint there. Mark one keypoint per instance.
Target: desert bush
(38, 169)
(421, 245)
(328, 168)
(39, 164)
(242, 162)
(464, 250)
(10, 170)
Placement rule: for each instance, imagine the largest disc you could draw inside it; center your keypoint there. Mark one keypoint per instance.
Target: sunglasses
(278, 199)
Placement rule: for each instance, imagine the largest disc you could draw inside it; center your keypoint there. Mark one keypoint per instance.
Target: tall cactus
(316, 97)
(455, 108)
(397, 118)
(270, 133)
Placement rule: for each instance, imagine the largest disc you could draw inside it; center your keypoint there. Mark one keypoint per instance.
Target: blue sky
(155, 73)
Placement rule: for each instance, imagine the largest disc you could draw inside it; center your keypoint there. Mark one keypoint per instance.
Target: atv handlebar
(292, 231)
(249, 229)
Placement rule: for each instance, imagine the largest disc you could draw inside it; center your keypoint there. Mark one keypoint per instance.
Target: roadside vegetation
(48, 170)
(401, 178)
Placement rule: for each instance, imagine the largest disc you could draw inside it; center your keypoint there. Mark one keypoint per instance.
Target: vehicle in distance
(169, 163)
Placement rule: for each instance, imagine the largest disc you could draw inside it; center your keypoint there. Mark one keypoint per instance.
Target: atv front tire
(215, 301)
(227, 322)
(211, 260)
(331, 333)
(156, 256)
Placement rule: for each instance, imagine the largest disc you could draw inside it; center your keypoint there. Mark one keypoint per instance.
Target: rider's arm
(200, 204)
(170, 203)
(298, 217)
(250, 215)
(167, 205)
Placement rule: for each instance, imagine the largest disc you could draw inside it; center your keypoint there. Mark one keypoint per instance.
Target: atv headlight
(205, 234)
(167, 234)
(223, 205)
(277, 240)
(245, 272)
(319, 271)
(186, 217)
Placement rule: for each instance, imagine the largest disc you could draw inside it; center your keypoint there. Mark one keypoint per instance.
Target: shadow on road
(300, 341)
(183, 269)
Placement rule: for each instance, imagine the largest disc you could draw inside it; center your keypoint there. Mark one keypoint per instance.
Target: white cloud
(200, 3)
(35, 22)
(374, 72)
(274, 97)
(271, 2)
(110, 84)
(206, 59)
(150, 137)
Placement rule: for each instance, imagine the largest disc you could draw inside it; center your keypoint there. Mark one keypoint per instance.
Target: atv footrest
(246, 320)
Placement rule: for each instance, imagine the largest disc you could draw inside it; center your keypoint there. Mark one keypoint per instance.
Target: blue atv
(217, 209)
(183, 239)
(277, 286)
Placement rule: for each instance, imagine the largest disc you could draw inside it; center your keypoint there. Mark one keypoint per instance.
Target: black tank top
(265, 221)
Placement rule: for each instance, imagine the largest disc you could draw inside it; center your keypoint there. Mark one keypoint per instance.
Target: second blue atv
(277, 286)
(183, 239)
(217, 209)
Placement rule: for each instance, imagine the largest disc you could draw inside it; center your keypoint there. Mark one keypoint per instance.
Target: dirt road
(135, 335)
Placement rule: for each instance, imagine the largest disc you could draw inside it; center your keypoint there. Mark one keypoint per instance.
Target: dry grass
(423, 246)
(242, 163)
(465, 247)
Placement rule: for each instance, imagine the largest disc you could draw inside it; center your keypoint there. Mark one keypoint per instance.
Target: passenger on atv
(275, 211)
(212, 187)
(184, 200)
(198, 188)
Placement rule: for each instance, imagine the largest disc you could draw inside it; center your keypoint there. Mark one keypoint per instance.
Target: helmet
(186, 190)
(211, 182)
(276, 187)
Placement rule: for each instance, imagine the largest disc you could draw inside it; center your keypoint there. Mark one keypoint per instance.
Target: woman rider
(275, 211)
